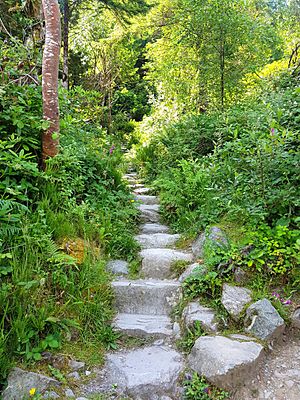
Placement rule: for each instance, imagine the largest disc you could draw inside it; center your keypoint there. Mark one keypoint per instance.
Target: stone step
(152, 297)
(154, 228)
(156, 240)
(147, 199)
(141, 190)
(140, 325)
(149, 213)
(149, 373)
(156, 263)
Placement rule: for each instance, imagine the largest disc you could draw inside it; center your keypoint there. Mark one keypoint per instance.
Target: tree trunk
(50, 139)
(65, 80)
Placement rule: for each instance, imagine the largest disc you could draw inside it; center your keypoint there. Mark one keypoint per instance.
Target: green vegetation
(198, 389)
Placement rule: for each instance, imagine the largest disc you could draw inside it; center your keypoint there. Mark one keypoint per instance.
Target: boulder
(206, 316)
(76, 365)
(214, 235)
(224, 362)
(296, 318)
(118, 267)
(263, 321)
(20, 382)
(234, 299)
(147, 199)
(149, 213)
(193, 270)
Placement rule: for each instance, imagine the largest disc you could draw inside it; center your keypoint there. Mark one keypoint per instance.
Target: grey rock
(147, 199)
(154, 228)
(140, 325)
(50, 395)
(19, 383)
(225, 362)
(296, 318)
(88, 373)
(82, 398)
(118, 267)
(176, 330)
(76, 365)
(74, 375)
(156, 240)
(263, 321)
(234, 299)
(149, 213)
(193, 270)
(69, 392)
(156, 263)
(146, 296)
(206, 316)
(144, 373)
(214, 235)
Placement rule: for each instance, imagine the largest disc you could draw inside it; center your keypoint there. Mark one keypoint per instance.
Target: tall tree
(50, 139)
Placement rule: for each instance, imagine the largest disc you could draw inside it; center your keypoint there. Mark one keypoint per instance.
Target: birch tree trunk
(50, 139)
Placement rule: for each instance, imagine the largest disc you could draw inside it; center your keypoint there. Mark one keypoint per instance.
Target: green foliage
(196, 388)
(58, 227)
(190, 336)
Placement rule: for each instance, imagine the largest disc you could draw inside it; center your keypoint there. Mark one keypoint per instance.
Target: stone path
(154, 369)
(144, 307)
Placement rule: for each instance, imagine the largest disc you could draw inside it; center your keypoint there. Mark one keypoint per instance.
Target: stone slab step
(154, 228)
(156, 263)
(140, 325)
(147, 199)
(152, 297)
(149, 213)
(156, 240)
(142, 190)
(148, 373)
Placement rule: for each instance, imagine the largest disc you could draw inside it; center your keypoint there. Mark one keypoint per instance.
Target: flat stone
(263, 321)
(146, 296)
(145, 373)
(154, 228)
(156, 263)
(296, 318)
(225, 362)
(149, 213)
(243, 338)
(156, 240)
(76, 365)
(214, 235)
(118, 267)
(144, 325)
(142, 190)
(74, 375)
(234, 299)
(206, 316)
(193, 270)
(69, 392)
(19, 382)
(147, 199)
(82, 398)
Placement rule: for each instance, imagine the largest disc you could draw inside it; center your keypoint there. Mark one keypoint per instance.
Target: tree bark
(65, 80)
(50, 139)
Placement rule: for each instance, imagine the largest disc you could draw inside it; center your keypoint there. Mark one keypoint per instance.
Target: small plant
(196, 388)
(191, 335)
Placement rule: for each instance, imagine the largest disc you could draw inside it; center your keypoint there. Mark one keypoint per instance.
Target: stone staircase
(143, 311)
